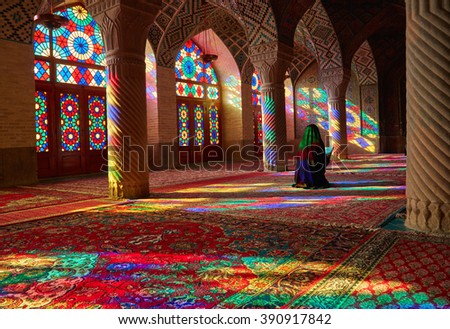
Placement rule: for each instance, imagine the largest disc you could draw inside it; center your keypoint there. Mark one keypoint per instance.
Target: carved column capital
(124, 23)
(335, 81)
(271, 60)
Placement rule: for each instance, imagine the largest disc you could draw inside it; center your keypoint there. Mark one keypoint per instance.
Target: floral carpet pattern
(189, 260)
(247, 241)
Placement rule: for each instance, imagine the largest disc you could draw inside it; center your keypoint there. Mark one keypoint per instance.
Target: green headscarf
(311, 136)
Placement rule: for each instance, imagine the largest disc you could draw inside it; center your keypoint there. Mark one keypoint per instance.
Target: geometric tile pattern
(304, 52)
(162, 21)
(257, 16)
(178, 31)
(16, 17)
(322, 32)
(259, 21)
(365, 65)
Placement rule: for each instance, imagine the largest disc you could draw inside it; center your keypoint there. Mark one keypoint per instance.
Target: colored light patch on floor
(34, 280)
(225, 188)
(411, 275)
(166, 261)
(283, 202)
(149, 205)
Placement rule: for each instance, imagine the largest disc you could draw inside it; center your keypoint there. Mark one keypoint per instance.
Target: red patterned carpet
(21, 198)
(248, 241)
(176, 259)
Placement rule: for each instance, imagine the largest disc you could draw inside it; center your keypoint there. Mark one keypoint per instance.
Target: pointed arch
(321, 29)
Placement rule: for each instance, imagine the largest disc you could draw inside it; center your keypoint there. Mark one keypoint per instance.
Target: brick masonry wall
(17, 124)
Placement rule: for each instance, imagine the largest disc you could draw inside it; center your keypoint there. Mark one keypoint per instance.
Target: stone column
(272, 60)
(336, 82)
(428, 115)
(125, 25)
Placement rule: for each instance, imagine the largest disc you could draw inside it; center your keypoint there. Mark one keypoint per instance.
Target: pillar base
(119, 190)
(279, 166)
(427, 216)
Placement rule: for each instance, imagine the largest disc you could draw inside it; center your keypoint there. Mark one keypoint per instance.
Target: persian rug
(169, 260)
(21, 198)
(98, 185)
(20, 216)
(358, 200)
(391, 270)
(175, 259)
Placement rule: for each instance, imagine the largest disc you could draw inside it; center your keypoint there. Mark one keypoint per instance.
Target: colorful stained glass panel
(80, 75)
(41, 108)
(214, 125)
(199, 126)
(207, 73)
(79, 41)
(186, 62)
(256, 82)
(189, 66)
(41, 70)
(97, 122)
(259, 127)
(70, 122)
(41, 42)
(213, 92)
(256, 99)
(183, 124)
(189, 90)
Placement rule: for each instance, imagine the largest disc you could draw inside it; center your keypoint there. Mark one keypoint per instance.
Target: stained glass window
(80, 40)
(207, 73)
(256, 82)
(42, 70)
(259, 127)
(189, 90)
(213, 92)
(199, 126)
(256, 89)
(196, 80)
(213, 125)
(189, 67)
(97, 122)
(41, 108)
(256, 101)
(183, 124)
(41, 41)
(80, 75)
(70, 122)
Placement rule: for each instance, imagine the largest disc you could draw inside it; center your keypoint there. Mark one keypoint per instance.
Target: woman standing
(312, 161)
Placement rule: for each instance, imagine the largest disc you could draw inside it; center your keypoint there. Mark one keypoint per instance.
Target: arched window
(70, 95)
(257, 115)
(198, 105)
